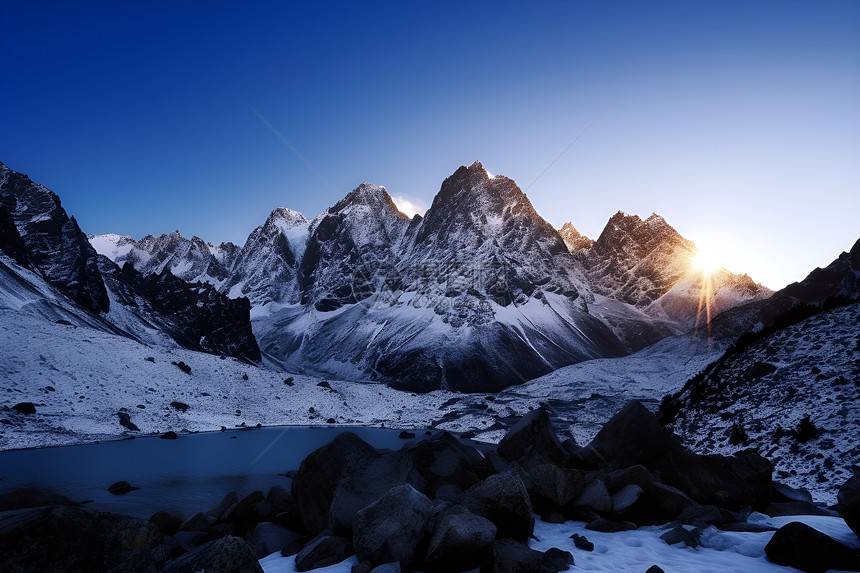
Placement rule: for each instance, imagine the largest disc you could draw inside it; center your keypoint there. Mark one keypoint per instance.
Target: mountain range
(478, 294)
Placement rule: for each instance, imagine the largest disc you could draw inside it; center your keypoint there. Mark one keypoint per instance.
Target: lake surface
(189, 474)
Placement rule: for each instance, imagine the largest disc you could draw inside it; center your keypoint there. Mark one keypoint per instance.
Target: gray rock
(226, 555)
(548, 482)
(267, 538)
(624, 498)
(798, 545)
(226, 503)
(391, 528)
(511, 556)
(680, 535)
(783, 492)
(701, 514)
(604, 525)
(503, 499)
(366, 479)
(318, 476)
(532, 434)
(323, 550)
(849, 493)
(595, 496)
(67, 538)
(461, 541)
(197, 522)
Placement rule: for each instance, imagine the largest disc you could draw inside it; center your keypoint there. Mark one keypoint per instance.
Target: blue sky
(737, 121)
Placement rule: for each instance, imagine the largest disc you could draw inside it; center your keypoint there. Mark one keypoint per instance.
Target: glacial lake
(189, 474)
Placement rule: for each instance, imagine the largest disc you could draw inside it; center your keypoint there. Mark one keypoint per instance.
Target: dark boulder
(510, 556)
(596, 497)
(732, 482)
(393, 567)
(365, 479)
(167, 522)
(318, 475)
(658, 503)
(393, 527)
(226, 555)
(582, 542)
(625, 498)
(849, 495)
(24, 408)
(783, 492)
(404, 435)
(323, 550)
(31, 497)
(227, 502)
(783, 508)
(461, 541)
(267, 538)
(171, 435)
(680, 535)
(249, 511)
(632, 436)
(121, 488)
(197, 522)
(800, 546)
(67, 539)
(443, 459)
(504, 500)
(125, 422)
(548, 483)
(604, 525)
(532, 434)
(701, 515)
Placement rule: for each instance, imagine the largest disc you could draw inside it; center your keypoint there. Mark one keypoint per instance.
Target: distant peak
(286, 216)
(573, 239)
(368, 195)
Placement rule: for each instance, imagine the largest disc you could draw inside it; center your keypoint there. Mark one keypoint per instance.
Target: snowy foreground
(637, 550)
(79, 378)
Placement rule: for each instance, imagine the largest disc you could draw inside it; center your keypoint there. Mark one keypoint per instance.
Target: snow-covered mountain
(53, 272)
(479, 294)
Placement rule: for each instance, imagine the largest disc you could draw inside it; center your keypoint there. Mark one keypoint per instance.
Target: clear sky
(738, 121)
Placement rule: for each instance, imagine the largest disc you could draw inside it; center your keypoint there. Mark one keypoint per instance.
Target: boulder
(443, 459)
(849, 495)
(267, 537)
(393, 567)
(197, 522)
(800, 546)
(549, 483)
(226, 555)
(680, 535)
(391, 528)
(510, 556)
(323, 550)
(318, 475)
(284, 509)
(167, 522)
(366, 479)
(532, 434)
(461, 541)
(227, 502)
(121, 488)
(67, 538)
(782, 492)
(783, 508)
(701, 515)
(249, 511)
(632, 436)
(504, 500)
(31, 497)
(733, 482)
(596, 497)
(24, 408)
(125, 422)
(638, 474)
(582, 542)
(625, 498)
(659, 503)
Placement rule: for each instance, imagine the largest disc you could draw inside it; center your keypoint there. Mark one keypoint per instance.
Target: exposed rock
(510, 556)
(461, 541)
(595, 496)
(443, 459)
(228, 501)
(393, 567)
(121, 488)
(503, 499)
(680, 535)
(226, 555)
(24, 408)
(323, 550)
(169, 436)
(532, 434)
(31, 497)
(63, 538)
(267, 537)
(549, 483)
(783, 492)
(701, 515)
(392, 528)
(197, 522)
(404, 435)
(318, 475)
(365, 479)
(632, 436)
(782, 508)
(604, 525)
(125, 422)
(623, 499)
(582, 542)
(798, 545)
(849, 493)
(167, 522)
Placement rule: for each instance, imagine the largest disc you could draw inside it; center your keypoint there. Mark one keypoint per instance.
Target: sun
(706, 262)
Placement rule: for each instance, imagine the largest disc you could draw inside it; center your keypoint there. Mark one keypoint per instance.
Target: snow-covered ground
(637, 550)
(79, 378)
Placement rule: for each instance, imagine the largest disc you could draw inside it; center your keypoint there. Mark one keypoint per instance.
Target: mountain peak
(285, 218)
(368, 195)
(573, 239)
